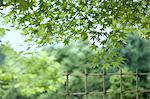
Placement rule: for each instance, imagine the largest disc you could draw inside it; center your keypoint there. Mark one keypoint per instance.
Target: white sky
(15, 40)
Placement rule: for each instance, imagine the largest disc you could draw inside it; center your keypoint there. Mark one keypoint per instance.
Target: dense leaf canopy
(46, 21)
(104, 22)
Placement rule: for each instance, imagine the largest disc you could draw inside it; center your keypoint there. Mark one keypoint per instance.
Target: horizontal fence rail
(104, 93)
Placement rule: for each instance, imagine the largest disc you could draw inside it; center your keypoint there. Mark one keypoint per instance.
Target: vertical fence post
(67, 82)
(104, 91)
(86, 91)
(121, 91)
(137, 96)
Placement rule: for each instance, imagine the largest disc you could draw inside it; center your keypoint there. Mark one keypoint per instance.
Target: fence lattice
(104, 93)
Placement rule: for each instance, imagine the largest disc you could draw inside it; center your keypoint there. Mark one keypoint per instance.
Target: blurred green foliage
(2, 32)
(40, 76)
(28, 75)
